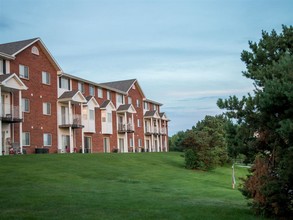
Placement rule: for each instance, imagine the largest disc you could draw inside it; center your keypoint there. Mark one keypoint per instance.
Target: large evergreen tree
(265, 122)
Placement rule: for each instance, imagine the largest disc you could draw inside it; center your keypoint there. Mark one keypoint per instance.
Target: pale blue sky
(184, 53)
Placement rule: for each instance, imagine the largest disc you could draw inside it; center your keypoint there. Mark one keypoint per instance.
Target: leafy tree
(206, 144)
(265, 122)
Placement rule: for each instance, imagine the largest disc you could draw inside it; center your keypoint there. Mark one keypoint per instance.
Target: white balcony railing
(125, 127)
(10, 111)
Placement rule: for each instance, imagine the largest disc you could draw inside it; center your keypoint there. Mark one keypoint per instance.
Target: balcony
(10, 114)
(75, 123)
(151, 131)
(122, 128)
(163, 131)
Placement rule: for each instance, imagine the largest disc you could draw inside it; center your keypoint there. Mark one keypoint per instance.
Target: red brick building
(45, 109)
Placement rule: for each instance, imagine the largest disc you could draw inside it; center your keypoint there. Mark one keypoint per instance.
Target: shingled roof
(14, 47)
(123, 85)
(68, 94)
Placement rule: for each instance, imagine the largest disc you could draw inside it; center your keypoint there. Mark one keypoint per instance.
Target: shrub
(190, 159)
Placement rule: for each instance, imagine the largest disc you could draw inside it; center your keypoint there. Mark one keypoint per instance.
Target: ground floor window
(26, 139)
(106, 145)
(47, 139)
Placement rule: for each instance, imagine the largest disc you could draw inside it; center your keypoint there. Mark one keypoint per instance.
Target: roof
(105, 103)
(123, 85)
(153, 102)
(10, 50)
(4, 77)
(124, 107)
(68, 94)
(150, 113)
(14, 47)
(91, 82)
(88, 97)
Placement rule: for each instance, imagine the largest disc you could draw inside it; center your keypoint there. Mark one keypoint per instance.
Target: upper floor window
(92, 90)
(137, 103)
(23, 71)
(92, 114)
(2, 66)
(109, 95)
(47, 139)
(81, 87)
(47, 108)
(146, 106)
(35, 50)
(138, 123)
(109, 117)
(129, 100)
(100, 92)
(25, 105)
(64, 83)
(26, 139)
(46, 79)
(155, 107)
(119, 99)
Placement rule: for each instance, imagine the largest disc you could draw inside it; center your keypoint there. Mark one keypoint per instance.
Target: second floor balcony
(10, 114)
(151, 131)
(122, 128)
(74, 123)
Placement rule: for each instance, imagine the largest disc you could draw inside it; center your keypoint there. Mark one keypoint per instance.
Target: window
(109, 116)
(131, 142)
(46, 78)
(47, 139)
(2, 66)
(26, 139)
(92, 90)
(81, 87)
(64, 83)
(119, 99)
(146, 106)
(25, 105)
(47, 108)
(109, 95)
(104, 116)
(138, 123)
(139, 142)
(129, 100)
(92, 114)
(23, 72)
(100, 92)
(35, 50)
(137, 103)
(155, 107)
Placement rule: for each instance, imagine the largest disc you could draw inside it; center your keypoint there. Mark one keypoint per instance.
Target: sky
(184, 53)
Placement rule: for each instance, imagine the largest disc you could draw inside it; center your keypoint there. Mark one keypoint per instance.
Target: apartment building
(42, 107)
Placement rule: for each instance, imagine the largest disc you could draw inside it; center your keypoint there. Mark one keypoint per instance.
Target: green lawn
(116, 186)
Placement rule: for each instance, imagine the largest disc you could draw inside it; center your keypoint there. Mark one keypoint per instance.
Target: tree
(265, 122)
(207, 142)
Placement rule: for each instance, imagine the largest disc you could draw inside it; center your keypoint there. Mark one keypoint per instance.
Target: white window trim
(44, 80)
(29, 138)
(23, 104)
(44, 139)
(100, 93)
(22, 75)
(45, 108)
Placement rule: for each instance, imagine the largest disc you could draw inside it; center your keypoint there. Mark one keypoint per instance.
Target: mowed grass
(116, 186)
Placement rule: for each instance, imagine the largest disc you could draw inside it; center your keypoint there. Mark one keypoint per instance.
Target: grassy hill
(115, 186)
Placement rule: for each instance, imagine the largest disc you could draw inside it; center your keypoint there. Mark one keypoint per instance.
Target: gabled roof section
(91, 99)
(123, 85)
(126, 108)
(74, 96)
(153, 102)
(152, 114)
(14, 48)
(12, 81)
(164, 116)
(107, 103)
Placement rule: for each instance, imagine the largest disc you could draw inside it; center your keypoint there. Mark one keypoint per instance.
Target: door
(106, 145)
(147, 145)
(87, 144)
(64, 115)
(121, 145)
(65, 143)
